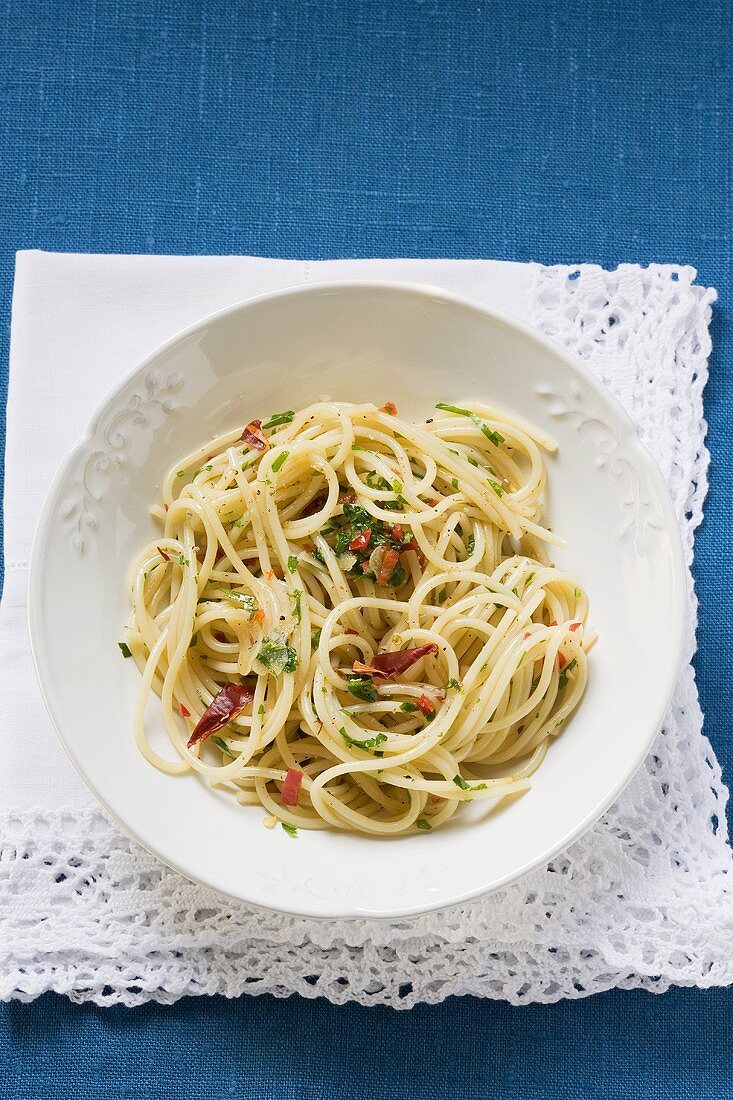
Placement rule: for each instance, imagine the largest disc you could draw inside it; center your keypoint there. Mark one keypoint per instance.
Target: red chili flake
(231, 701)
(554, 622)
(184, 711)
(166, 506)
(383, 562)
(426, 705)
(387, 665)
(412, 545)
(291, 787)
(219, 636)
(432, 502)
(433, 798)
(365, 567)
(527, 634)
(258, 615)
(398, 532)
(347, 498)
(361, 541)
(164, 556)
(253, 437)
(573, 626)
(561, 660)
(389, 407)
(350, 631)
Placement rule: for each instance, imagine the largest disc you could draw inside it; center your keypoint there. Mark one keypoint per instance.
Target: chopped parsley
(577, 593)
(296, 597)
(470, 545)
(461, 782)
(453, 683)
(125, 649)
(367, 745)
(357, 447)
(292, 563)
(564, 673)
(494, 485)
(221, 743)
(181, 473)
(363, 689)
(471, 461)
(454, 482)
(377, 482)
(495, 437)
(182, 560)
(315, 639)
(421, 823)
(280, 461)
(442, 594)
(289, 829)
(276, 655)
(277, 419)
(408, 707)
(261, 709)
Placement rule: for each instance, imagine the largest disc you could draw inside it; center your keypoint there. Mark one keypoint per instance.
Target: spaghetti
(351, 620)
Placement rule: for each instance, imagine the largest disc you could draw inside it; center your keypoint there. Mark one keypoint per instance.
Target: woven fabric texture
(585, 130)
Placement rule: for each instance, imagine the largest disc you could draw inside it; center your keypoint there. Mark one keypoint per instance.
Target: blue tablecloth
(565, 131)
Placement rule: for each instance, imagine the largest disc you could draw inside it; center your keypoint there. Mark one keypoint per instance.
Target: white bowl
(354, 342)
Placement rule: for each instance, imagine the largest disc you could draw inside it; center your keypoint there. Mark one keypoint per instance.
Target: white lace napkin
(643, 899)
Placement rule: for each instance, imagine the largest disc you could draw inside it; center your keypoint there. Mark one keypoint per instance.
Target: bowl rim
(349, 910)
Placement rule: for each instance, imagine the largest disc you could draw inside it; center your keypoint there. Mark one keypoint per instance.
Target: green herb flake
(292, 563)
(276, 655)
(367, 745)
(277, 419)
(221, 743)
(363, 689)
(421, 823)
(453, 683)
(461, 782)
(280, 461)
(261, 709)
(530, 578)
(577, 593)
(442, 594)
(470, 545)
(182, 560)
(471, 461)
(125, 649)
(296, 597)
(289, 829)
(454, 482)
(358, 447)
(246, 602)
(568, 669)
(408, 707)
(495, 486)
(397, 486)
(181, 473)
(315, 639)
(495, 437)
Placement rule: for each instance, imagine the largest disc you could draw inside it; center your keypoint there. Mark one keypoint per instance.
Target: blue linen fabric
(584, 130)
